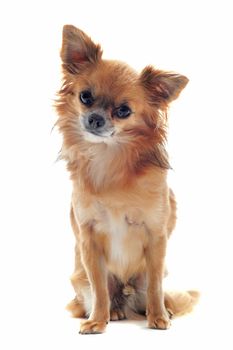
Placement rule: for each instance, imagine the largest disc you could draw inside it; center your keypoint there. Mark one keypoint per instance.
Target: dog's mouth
(93, 136)
(103, 133)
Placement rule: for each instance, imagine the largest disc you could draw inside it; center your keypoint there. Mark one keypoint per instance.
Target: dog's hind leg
(76, 308)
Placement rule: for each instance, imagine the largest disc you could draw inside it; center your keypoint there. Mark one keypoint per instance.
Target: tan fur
(122, 210)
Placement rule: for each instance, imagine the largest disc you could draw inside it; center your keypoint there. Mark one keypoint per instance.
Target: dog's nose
(95, 121)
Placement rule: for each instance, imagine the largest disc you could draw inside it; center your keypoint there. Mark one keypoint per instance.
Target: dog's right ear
(78, 50)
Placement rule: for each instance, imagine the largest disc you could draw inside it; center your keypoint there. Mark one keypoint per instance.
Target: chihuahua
(113, 121)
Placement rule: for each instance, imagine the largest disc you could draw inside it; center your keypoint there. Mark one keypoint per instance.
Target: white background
(36, 248)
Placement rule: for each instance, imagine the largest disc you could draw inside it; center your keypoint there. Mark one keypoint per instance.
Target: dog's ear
(162, 87)
(78, 50)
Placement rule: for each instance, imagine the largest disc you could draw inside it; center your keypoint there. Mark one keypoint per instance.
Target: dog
(113, 121)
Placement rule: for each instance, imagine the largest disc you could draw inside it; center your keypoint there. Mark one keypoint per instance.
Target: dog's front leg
(157, 315)
(94, 264)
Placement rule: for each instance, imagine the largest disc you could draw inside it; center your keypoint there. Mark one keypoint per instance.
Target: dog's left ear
(162, 87)
(78, 50)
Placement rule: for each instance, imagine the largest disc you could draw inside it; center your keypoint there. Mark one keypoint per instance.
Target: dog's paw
(76, 309)
(116, 315)
(128, 290)
(161, 321)
(92, 327)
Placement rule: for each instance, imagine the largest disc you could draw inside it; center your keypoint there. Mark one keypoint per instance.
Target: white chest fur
(117, 230)
(125, 233)
(126, 238)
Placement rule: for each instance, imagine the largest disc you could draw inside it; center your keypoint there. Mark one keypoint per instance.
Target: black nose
(95, 121)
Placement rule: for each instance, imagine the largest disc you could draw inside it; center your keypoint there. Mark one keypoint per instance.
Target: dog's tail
(180, 303)
(176, 303)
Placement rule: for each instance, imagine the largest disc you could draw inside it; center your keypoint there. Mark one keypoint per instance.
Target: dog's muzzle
(95, 122)
(98, 124)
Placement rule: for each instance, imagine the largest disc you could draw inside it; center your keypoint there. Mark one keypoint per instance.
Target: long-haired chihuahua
(113, 121)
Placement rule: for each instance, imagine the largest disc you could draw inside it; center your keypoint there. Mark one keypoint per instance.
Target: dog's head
(103, 101)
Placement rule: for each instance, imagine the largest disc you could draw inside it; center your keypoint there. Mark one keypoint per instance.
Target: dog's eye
(123, 112)
(86, 98)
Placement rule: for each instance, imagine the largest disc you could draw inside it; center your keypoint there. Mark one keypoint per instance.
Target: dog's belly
(126, 237)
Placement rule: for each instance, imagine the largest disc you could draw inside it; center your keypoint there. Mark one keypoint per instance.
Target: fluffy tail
(180, 303)
(176, 303)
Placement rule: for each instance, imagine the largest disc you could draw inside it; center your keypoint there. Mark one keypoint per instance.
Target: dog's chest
(125, 233)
